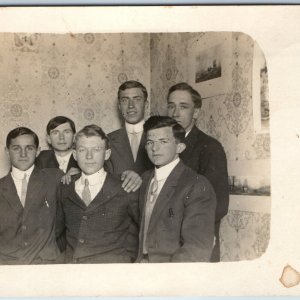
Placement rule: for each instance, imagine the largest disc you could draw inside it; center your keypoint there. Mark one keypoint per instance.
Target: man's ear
(107, 154)
(6, 151)
(196, 113)
(180, 148)
(74, 154)
(48, 139)
(38, 151)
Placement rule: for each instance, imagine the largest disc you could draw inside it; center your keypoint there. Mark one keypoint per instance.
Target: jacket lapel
(190, 142)
(122, 145)
(166, 193)
(110, 188)
(72, 163)
(9, 192)
(53, 163)
(37, 186)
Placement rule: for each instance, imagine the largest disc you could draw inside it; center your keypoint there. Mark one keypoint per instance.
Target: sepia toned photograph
(125, 154)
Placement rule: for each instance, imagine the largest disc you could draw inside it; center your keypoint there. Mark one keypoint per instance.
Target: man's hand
(131, 181)
(66, 179)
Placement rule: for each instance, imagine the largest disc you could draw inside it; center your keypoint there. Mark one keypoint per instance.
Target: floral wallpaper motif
(244, 235)
(77, 75)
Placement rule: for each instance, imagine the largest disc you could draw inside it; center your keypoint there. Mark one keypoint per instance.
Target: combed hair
(156, 122)
(21, 131)
(130, 85)
(93, 130)
(183, 86)
(56, 121)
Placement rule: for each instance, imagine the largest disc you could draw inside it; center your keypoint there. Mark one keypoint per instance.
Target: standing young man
(177, 205)
(203, 154)
(60, 137)
(28, 204)
(100, 218)
(128, 155)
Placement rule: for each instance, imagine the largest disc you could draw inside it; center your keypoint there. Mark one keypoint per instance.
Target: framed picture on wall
(260, 92)
(210, 64)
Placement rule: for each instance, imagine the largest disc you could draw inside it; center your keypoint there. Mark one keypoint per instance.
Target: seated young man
(27, 204)
(60, 137)
(99, 216)
(177, 205)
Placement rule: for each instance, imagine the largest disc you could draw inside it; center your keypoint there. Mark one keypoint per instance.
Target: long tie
(24, 190)
(151, 198)
(86, 193)
(134, 145)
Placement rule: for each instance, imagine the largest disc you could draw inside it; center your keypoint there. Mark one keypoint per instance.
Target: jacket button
(24, 227)
(81, 241)
(25, 244)
(84, 218)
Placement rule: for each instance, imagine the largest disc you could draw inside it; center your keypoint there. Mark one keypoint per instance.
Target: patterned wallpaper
(44, 75)
(229, 118)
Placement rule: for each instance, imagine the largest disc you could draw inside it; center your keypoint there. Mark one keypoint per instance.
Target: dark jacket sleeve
(197, 231)
(133, 231)
(214, 168)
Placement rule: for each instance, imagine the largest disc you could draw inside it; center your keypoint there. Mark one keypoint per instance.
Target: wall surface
(45, 75)
(227, 115)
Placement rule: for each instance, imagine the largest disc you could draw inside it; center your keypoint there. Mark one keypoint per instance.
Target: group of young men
(152, 191)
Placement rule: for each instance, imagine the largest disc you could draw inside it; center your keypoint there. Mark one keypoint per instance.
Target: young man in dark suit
(28, 204)
(128, 155)
(60, 137)
(100, 218)
(203, 154)
(177, 205)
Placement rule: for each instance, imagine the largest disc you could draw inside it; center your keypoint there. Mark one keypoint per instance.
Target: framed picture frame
(210, 63)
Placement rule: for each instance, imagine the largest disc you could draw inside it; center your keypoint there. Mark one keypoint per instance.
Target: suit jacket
(106, 231)
(206, 156)
(181, 227)
(47, 159)
(121, 158)
(27, 235)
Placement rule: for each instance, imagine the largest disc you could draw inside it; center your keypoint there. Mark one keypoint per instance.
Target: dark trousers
(215, 255)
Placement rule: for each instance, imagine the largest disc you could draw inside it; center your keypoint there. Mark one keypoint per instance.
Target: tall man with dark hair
(28, 204)
(177, 205)
(128, 155)
(203, 154)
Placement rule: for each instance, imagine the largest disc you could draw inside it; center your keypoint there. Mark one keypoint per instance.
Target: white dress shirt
(18, 176)
(134, 128)
(96, 182)
(63, 161)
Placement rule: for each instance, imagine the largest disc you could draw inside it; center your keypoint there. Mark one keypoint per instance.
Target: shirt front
(63, 161)
(96, 182)
(18, 176)
(134, 129)
(161, 175)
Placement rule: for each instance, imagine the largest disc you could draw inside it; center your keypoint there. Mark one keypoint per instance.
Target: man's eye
(15, 148)
(30, 148)
(54, 132)
(68, 131)
(80, 150)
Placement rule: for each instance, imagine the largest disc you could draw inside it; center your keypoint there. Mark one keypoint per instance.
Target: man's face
(61, 138)
(162, 147)
(22, 152)
(132, 105)
(181, 108)
(90, 154)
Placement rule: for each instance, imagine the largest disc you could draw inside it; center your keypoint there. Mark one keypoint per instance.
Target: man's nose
(131, 103)
(89, 154)
(23, 152)
(61, 136)
(176, 112)
(155, 146)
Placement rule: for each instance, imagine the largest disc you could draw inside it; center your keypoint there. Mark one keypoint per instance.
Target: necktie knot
(86, 182)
